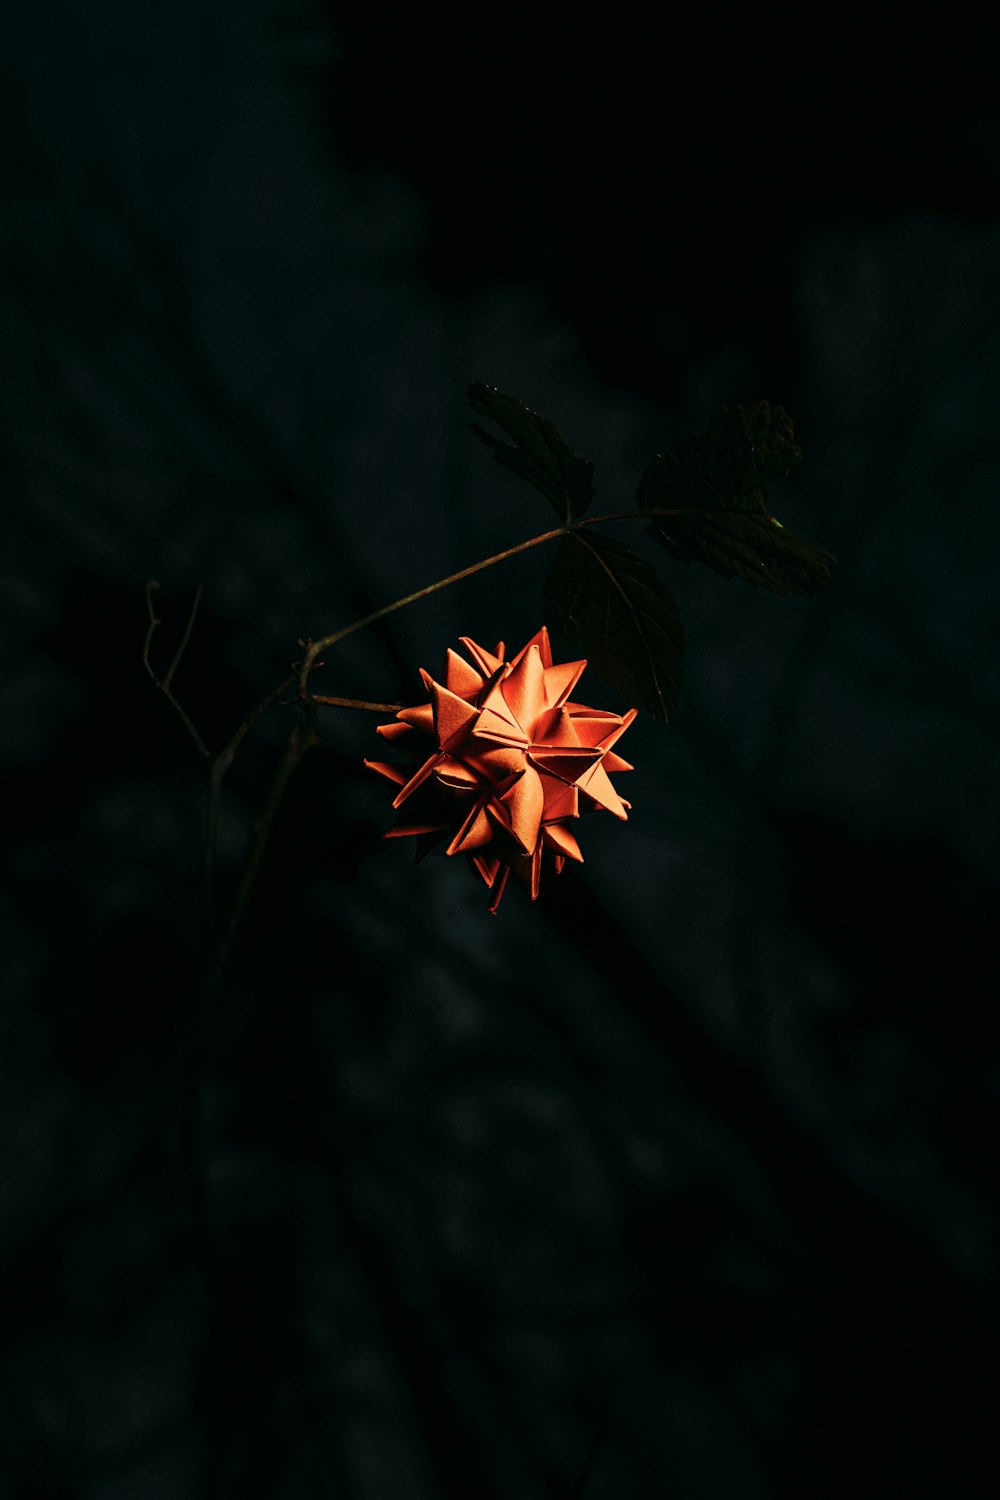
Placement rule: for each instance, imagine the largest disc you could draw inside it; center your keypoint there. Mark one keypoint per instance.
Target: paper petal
(554, 727)
(560, 681)
(460, 677)
(594, 726)
(453, 717)
(619, 729)
(394, 773)
(456, 773)
(485, 660)
(558, 837)
(568, 764)
(524, 802)
(421, 717)
(597, 784)
(561, 801)
(417, 779)
(392, 731)
(541, 640)
(487, 866)
(498, 889)
(496, 721)
(407, 825)
(495, 762)
(523, 691)
(476, 831)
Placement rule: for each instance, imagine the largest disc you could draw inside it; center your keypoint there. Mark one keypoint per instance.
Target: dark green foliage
(538, 452)
(610, 605)
(706, 501)
(715, 488)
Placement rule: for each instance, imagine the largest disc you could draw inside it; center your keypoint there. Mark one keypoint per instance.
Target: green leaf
(610, 604)
(537, 452)
(715, 488)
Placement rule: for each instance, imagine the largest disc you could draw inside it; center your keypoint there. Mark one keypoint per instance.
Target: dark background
(685, 1173)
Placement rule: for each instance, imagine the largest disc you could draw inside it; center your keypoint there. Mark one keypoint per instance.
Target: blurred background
(679, 1182)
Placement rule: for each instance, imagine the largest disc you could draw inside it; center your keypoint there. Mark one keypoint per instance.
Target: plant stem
(300, 739)
(632, 515)
(164, 685)
(371, 708)
(314, 648)
(220, 765)
(178, 654)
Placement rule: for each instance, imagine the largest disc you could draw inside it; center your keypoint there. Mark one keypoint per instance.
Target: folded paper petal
(524, 689)
(561, 680)
(487, 865)
(524, 802)
(452, 716)
(459, 677)
(456, 773)
(488, 662)
(557, 836)
(562, 802)
(568, 764)
(416, 780)
(476, 831)
(421, 718)
(596, 783)
(392, 731)
(385, 768)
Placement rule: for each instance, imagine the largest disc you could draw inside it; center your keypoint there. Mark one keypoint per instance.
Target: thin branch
(325, 642)
(164, 685)
(184, 638)
(372, 708)
(301, 738)
(151, 584)
(314, 648)
(635, 515)
(206, 859)
(252, 717)
(220, 765)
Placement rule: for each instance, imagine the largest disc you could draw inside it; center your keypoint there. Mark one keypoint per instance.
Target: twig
(164, 684)
(252, 717)
(372, 708)
(184, 638)
(313, 648)
(325, 642)
(220, 765)
(301, 738)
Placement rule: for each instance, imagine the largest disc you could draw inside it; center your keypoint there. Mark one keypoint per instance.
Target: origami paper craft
(505, 762)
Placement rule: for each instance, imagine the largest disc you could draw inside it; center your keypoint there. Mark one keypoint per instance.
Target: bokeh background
(681, 1182)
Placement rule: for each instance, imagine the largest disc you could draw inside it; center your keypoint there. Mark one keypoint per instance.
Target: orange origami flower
(506, 763)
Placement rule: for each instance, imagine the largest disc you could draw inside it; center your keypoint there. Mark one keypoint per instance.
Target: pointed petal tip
(488, 662)
(499, 887)
(385, 768)
(392, 730)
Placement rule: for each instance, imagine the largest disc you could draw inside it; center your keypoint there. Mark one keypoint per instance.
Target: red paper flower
(506, 762)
